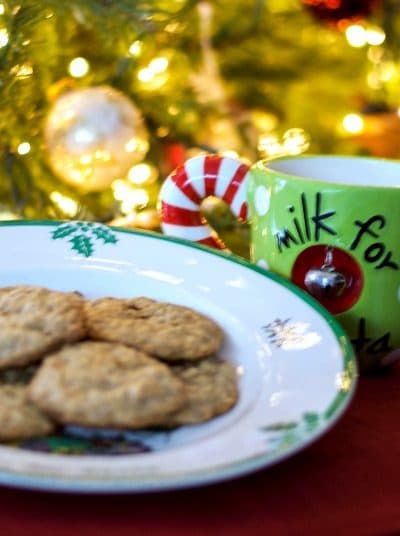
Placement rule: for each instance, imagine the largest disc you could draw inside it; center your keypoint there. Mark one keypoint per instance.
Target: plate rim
(202, 477)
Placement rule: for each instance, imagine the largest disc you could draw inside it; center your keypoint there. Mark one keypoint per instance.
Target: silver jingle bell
(325, 282)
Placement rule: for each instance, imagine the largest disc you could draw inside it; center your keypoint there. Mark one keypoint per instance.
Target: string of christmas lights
(100, 100)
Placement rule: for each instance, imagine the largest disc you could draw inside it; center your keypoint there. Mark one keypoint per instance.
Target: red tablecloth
(346, 483)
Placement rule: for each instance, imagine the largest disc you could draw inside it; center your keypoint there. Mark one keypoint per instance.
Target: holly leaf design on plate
(104, 234)
(82, 244)
(311, 421)
(63, 230)
(278, 426)
(84, 235)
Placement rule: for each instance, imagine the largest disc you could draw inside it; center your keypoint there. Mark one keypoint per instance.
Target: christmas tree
(100, 100)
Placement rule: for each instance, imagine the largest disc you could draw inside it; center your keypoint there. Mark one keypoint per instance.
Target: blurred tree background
(101, 99)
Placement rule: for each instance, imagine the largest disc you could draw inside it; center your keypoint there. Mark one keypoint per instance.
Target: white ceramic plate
(295, 366)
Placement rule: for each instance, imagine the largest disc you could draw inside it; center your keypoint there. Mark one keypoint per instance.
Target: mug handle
(188, 185)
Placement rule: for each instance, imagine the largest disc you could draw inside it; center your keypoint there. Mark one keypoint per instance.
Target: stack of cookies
(107, 363)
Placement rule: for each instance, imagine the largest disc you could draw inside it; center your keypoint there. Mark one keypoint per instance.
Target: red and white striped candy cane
(184, 189)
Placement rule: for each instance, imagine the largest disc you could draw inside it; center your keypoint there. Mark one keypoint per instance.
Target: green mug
(330, 224)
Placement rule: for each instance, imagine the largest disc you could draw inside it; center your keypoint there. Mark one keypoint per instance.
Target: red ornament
(339, 13)
(175, 154)
(329, 274)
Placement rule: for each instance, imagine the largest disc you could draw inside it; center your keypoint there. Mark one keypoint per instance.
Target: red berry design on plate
(329, 274)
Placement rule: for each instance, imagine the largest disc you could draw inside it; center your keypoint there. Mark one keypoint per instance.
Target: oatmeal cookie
(101, 384)
(20, 346)
(168, 331)
(20, 418)
(55, 313)
(211, 389)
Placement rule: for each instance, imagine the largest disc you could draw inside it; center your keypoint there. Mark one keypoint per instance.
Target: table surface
(348, 482)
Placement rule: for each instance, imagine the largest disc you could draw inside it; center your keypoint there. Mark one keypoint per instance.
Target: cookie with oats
(20, 345)
(211, 389)
(19, 417)
(35, 320)
(100, 384)
(165, 330)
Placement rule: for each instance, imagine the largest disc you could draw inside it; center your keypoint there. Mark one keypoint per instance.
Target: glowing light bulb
(145, 75)
(8, 215)
(103, 155)
(130, 197)
(86, 159)
(136, 198)
(375, 36)
(82, 134)
(353, 123)
(24, 71)
(136, 144)
(66, 204)
(24, 148)
(136, 48)
(78, 67)
(142, 174)
(296, 141)
(173, 110)
(3, 37)
(155, 74)
(356, 36)
(388, 70)
(269, 145)
(162, 132)
(264, 121)
(120, 189)
(159, 65)
(230, 154)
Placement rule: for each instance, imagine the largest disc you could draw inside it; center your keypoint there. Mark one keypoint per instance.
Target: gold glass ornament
(93, 136)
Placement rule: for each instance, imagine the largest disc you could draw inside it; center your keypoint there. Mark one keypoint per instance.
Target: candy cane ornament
(185, 188)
